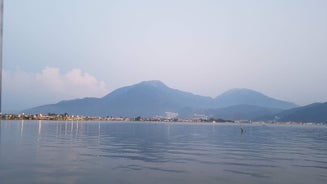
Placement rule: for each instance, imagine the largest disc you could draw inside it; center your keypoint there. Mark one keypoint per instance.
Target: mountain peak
(154, 83)
(242, 91)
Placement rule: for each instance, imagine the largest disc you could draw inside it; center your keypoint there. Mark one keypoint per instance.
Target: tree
(138, 118)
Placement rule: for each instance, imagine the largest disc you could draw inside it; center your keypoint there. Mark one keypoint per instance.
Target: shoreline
(66, 118)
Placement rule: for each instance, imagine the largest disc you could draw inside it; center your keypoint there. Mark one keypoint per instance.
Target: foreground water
(121, 152)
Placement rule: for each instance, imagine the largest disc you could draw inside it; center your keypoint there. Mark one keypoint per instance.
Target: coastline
(66, 117)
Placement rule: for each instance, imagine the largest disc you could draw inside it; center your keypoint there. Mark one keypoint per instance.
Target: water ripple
(120, 152)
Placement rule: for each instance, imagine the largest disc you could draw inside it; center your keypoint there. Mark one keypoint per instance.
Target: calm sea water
(136, 152)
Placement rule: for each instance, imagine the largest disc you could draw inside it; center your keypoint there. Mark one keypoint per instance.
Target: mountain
(147, 99)
(85, 106)
(250, 97)
(316, 112)
(150, 98)
(154, 98)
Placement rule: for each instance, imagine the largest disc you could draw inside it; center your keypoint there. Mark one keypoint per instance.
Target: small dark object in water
(242, 130)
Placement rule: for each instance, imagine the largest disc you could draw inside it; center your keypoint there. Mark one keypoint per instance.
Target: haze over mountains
(154, 98)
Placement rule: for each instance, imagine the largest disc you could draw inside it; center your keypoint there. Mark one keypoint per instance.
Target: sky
(66, 49)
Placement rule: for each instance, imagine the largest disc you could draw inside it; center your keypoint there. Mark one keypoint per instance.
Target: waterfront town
(66, 117)
(168, 118)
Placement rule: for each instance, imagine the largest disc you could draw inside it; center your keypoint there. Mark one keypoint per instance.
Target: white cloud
(23, 90)
(74, 83)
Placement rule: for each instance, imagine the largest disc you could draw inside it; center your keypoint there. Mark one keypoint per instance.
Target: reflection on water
(120, 152)
(39, 127)
(22, 128)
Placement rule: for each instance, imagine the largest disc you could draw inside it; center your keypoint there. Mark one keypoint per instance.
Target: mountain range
(154, 98)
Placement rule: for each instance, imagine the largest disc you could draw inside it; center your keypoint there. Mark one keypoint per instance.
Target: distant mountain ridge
(316, 112)
(250, 97)
(154, 98)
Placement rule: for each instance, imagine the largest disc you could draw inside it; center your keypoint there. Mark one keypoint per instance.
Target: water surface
(138, 152)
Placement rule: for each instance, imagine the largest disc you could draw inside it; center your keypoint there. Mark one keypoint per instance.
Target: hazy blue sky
(62, 49)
